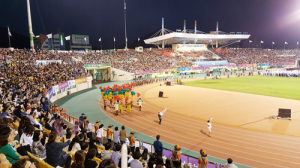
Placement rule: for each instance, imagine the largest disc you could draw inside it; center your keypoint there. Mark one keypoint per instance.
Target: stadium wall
(79, 87)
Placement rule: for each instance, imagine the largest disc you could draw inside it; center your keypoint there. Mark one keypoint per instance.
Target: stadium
(191, 100)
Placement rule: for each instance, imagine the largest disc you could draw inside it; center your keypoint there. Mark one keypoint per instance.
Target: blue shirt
(158, 146)
(55, 154)
(81, 118)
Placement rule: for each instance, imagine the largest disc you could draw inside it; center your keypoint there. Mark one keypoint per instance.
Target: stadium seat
(40, 163)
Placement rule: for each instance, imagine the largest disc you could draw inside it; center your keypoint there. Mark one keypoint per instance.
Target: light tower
(125, 24)
(162, 33)
(30, 25)
(217, 31)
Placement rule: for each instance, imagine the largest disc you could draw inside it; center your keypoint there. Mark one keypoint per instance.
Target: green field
(262, 85)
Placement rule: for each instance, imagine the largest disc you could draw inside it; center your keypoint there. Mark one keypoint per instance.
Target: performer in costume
(160, 114)
(128, 108)
(116, 107)
(209, 125)
(120, 106)
(140, 103)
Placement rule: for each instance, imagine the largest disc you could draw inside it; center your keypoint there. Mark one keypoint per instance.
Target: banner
(63, 85)
(71, 83)
(89, 78)
(50, 94)
(96, 65)
(81, 80)
(55, 88)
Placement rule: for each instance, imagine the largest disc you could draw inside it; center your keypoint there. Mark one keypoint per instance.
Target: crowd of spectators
(257, 56)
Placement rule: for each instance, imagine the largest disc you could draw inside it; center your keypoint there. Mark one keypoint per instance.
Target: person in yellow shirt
(132, 140)
(120, 106)
(128, 108)
(109, 133)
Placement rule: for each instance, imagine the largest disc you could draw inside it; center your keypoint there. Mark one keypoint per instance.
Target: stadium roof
(192, 38)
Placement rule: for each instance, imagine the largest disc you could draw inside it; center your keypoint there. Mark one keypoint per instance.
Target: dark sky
(267, 20)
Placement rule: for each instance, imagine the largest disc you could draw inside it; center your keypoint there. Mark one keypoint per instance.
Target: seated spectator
(202, 160)
(79, 159)
(27, 136)
(47, 125)
(85, 147)
(145, 156)
(25, 163)
(229, 164)
(74, 146)
(54, 151)
(45, 137)
(136, 162)
(89, 163)
(116, 155)
(176, 154)
(4, 163)
(38, 149)
(159, 161)
(107, 163)
(152, 161)
(186, 166)
(106, 153)
(168, 163)
(5, 148)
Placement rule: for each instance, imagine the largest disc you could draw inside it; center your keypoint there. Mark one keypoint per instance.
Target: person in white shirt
(89, 129)
(230, 164)
(27, 136)
(209, 127)
(99, 133)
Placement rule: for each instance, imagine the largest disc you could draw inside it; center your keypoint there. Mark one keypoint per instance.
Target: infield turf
(282, 87)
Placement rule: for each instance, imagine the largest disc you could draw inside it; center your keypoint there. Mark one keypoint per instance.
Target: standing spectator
(109, 133)
(79, 160)
(131, 139)
(158, 146)
(38, 149)
(116, 137)
(176, 154)
(202, 160)
(106, 153)
(229, 164)
(54, 151)
(116, 155)
(97, 125)
(4, 163)
(123, 135)
(63, 131)
(89, 129)
(89, 163)
(81, 118)
(99, 133)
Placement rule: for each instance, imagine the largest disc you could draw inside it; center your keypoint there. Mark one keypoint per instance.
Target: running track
(244, 146)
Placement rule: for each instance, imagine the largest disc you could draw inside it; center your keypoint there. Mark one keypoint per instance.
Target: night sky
(267, 20)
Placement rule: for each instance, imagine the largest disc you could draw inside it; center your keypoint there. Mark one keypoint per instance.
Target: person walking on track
(160, 114)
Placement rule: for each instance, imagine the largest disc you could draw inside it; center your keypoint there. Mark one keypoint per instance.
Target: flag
(285, 43)
(273, 42)
(100, 39)
(84, 38)
(138, 39)
(210, 118)
(163, 112)
(114, 39)
(8, 31)
(261, 41)
(250, 41)
(124, 5)
(49, 36)
(67, 37)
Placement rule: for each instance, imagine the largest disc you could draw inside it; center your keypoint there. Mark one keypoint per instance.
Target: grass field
(262, 85)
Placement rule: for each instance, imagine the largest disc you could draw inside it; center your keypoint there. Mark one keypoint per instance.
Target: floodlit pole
(30, 25)
(162, 33)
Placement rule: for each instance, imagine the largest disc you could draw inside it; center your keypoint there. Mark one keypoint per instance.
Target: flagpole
(30, 25)
(125, 23)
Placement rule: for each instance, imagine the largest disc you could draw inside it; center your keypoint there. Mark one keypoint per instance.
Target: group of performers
(119, 95)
